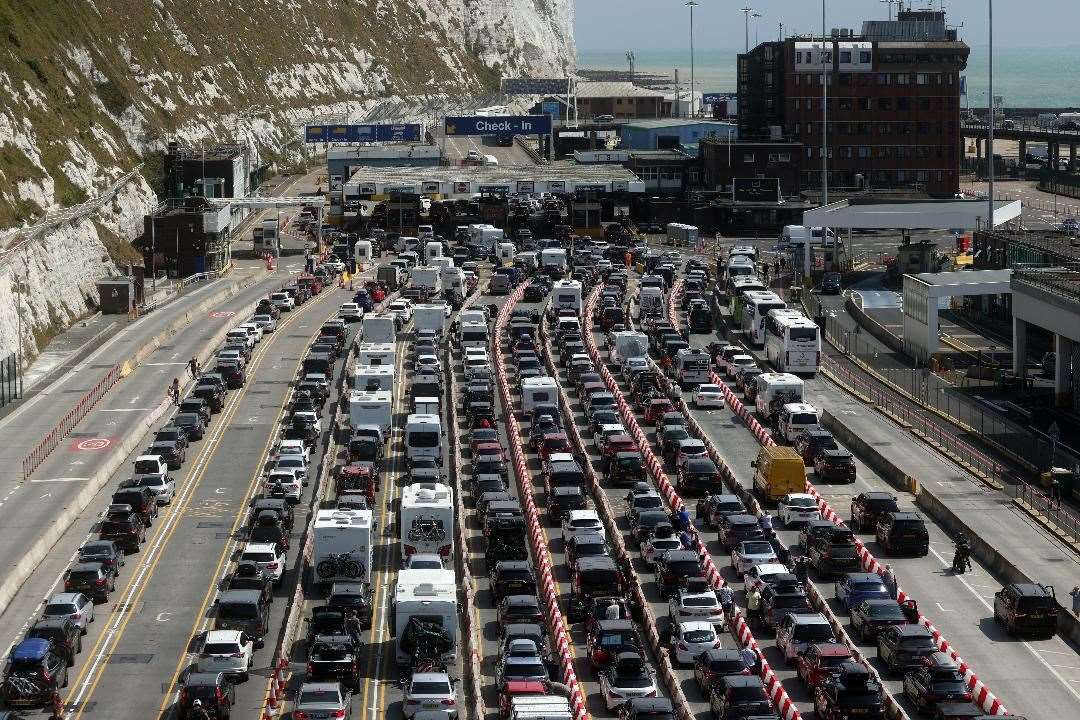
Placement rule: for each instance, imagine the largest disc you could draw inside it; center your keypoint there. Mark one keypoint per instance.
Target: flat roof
(513, 178)
(910, 214)
(965, 277)
(613, 89)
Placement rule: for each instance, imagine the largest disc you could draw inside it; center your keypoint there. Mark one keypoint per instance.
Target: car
(820, 661)
(674, 568)
(226, 651)
(267, 322)
(870, 617)
(267, 557)
(716, 663)
(628, 677)
(530, 668)
(581, 521)
(835, 465)
(811, 441)
(852, 693)
(797, 508)
(520, 609)
(350, 312)
(830, 284)
(402, 310)
(63, 633)
(162, 486)
(511, 577)
(853, 588)
(334, 657)
(759, 576)
(584, 545)
(869, 507)
(936, 680)
(1027, 609)
(902, 647)
(105, 552)
(284, 484)
(429, 691)
(604, 119)
(92, 579)
(781, 601)
(834, 552)
(796, 632)
(123, 526)
(294, 463)
(739, 696)
(708, 396)
(658, 708)
(712, 509)
(319, 700)
(424, 561)
(735, 529)
(171, 452)
(659, 543)
(695, 601)
(606, 638)
(737, 363)
(749, 553)
(691, 638)
(35, 670)
(902, 532)
(353, 596)
(193, 424)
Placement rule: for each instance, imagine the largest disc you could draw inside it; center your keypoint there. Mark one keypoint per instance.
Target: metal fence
(10, 380)
(1062, 517)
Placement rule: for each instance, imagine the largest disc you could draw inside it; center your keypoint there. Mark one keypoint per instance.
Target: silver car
(163, 487)
(429, 691)
(322, 701)
(75, 606)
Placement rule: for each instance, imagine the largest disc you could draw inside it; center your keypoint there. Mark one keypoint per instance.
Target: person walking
(751, 659)
(1055, 491)
(1075, 592)
(726, 596)
(753, 604)
(889, 578)
(174, 391)
(352, 627)
(193, 367)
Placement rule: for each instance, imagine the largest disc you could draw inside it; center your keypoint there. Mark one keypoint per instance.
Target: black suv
(105, 552)
(563, 499)
(123, 526)
(511, 577)
(64, 633)
(813, 440)
(214, 690)
(352, 597)
(1027, 609)
(852, 693)
(902, 647)
(869, 507)
(903, 532)
(195, 406)
(673, 568)
(834, 553)
(36, 670)
(92, 579)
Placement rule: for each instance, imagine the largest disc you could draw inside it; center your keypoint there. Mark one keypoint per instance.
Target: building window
(864, 152)
(845, 103)
(884, 103)
(783, 157)
(809, 152)
(809, 128)
(796, 103)
(901, 79)
(864, 57)
(844, 152)
(618, 101)
(903, 103)
(768, 52)
(798, 56)
(768, 103)
(922, 78)
(845, 56)
(845, 78)
(883, 79)
(748, 158)
(827, 57)
(798, 80)
(864, 104)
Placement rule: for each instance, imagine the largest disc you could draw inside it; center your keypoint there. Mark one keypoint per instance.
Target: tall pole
(746, 27)
(781, 36)
(691, 4)
(824, 114)
(153, 255)
(990, 126)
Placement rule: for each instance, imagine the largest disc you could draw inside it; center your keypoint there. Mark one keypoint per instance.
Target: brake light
(237, 655)
(444, 551)
(99, 581)
(449, 702)
(310, 668)
(338, 714)
(410, 702)
(67, 585)
(272, 566)
(652, 694)
(217, 693)
(299, 715)
(45, 675)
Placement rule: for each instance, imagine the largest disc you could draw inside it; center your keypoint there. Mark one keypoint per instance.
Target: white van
(473, 335)
(538, 391)
(373, 353)
(796, 417)
(423, 438)
(566, 294)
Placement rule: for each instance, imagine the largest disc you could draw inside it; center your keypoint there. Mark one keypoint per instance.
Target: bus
(756, 305)
(736, 287)
(792, 342)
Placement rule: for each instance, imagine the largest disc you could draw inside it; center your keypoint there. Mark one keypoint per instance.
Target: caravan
(538, 391)
(776, 386)
(429, 596)
(371, 408)
(427, 521)
(566, 294)
(375, 353)
(373, 377)
(423, 438)
(342, 548)
(380, 328)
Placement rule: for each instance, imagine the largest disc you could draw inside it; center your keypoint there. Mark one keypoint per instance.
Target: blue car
(363, 299)
(853, 588)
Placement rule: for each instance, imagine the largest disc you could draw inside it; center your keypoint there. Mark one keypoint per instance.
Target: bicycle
(342, 564)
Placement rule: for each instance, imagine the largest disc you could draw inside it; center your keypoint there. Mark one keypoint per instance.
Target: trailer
(430, 316)
(380, 328)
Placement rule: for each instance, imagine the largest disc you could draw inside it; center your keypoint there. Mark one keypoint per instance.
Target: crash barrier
(622, 555)
(775, 689)
(893, 709)
(559, 630)
(981, 694)
(62, 429)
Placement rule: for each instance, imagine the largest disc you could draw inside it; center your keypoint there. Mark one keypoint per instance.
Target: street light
(890, 4)
(691, 4)
(747, 11)
(990, 126)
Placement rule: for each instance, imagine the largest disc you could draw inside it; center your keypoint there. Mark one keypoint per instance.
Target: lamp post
(824, 115)
(691, 4)
(889, 3)
(746, 11)
(990, 125)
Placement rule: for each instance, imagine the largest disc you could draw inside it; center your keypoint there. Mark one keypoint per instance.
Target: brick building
(893, 103)
(721, 162)
(622, 100)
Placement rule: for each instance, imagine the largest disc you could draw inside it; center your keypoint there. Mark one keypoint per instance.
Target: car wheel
(78, 645)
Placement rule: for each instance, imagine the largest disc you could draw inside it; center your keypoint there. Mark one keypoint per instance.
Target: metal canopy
(916, 215)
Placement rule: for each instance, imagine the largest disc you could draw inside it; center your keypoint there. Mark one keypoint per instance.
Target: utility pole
(990, 126)
(825, 68)
(153, 255)
(746, 11)
(691, 4)
(781, 37)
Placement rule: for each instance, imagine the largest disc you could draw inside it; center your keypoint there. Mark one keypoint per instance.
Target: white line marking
(59, 479)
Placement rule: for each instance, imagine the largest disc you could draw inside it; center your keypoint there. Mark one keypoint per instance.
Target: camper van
(797, 235)
(651, 300)
(507, 251)
(772, 384)
(362, 254)
(538, 391)
(379, 328)
(373, 377)
(427, 277)
(681, 234)
(423, 438)
(342, 548)
(473, 334)
(427, 520)
(566, 294)
(629, 344)
(375, 353)
(430, 595)
(371, 408)
(430, 316)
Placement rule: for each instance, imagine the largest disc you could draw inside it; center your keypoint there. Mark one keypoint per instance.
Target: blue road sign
(362, 133)
(499, 125)
(711, 97)
(551, 108)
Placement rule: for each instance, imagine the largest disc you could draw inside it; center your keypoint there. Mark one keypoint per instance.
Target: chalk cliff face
(90, 89)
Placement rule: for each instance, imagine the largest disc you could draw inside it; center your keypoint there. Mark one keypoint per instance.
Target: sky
(662, 24)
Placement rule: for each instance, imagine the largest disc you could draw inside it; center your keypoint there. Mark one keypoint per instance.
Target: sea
(1023, 77)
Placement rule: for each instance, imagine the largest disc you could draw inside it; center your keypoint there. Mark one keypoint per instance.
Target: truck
(797, 235)
(427, 277)
(427, 520)
(371, 408)
(380, 328)
(430, 596)
(774, 390)
(342, 548)
(681, 234)
(566, 294)
(629, 344)
(430, 316)
(691, 367)
(390, 276)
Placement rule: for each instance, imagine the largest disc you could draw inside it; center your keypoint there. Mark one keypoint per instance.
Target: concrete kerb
(867, 452)
(33, 556)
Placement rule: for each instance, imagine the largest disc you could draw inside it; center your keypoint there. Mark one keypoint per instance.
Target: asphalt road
(1038, 679)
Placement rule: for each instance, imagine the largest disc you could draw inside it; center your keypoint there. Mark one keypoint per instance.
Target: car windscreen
(56, 609)
(221, 648)
(911, 644)
(684, 567)
(757, 548)
(813, 632)
(83, 576)
(804, 419)
(600, 579)
(699, 601)
(648, 502)
(527, 670)
(699, 636)
(799, 502)
(318, 697)
(618, 639)
(146, 466)
(430, 687)
(238, 611)
(789, 601)
(1036, 602)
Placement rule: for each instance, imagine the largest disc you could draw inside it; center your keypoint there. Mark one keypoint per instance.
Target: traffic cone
(266, 714)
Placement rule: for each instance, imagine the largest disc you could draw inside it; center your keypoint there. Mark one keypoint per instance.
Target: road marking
(125, 410)
(158, 364)
(59, 480)
(159, 617)
(942, 607)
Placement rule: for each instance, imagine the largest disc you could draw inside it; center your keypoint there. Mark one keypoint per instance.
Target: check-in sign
(498, 125)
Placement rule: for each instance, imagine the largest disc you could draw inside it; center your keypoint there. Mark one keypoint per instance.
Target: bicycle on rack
(340, 565)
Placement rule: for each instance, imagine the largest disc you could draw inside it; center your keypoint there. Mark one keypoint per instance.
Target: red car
(489, 450)
(820, 661)
(591, 388)
(482, 435)
(513, 688)
(554, 443)
(656, 410)
(617, 444)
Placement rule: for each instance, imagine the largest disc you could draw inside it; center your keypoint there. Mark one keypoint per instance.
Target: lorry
(380, 328)
(371, 408)
(691, 367)
(681, 234)
(429, 596)
(774, 390)
(566, 294)
(427, 520)
(427, 277)
(430, 316)
(629, 344)
(650, 300)
(342, 548)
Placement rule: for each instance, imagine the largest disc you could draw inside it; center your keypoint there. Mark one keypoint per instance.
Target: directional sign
(712, 97)
(498, 125)
(363, 133)
(550, 108)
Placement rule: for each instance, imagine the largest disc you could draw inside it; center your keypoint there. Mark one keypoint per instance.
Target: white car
(424, 561)
(292, 447)
(695, 605)
(310, 418)
(290, 484)
(629, 677)
(751, 552)
(425, 204)
(74, 606)
(579, 522)
(227, 651)
(429, 691)
(334, 264)
(690, 639)
(282, 301)
(760, 575)
(402, 310)
(653, 547)
(737, 363)
(163, 487)
(633, 365)
(428, 362)
(232, 356)
(350, 311)
(690, 449)
(266, 322)
(796, 508)
(266, 556)
(295, 463)
(708, 396)
(254, 329)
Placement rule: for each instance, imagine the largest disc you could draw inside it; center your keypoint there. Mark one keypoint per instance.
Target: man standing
(889, 578)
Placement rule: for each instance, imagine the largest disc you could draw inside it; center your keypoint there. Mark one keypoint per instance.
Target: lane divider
(773, 687)
(981, 694)
(550, 589)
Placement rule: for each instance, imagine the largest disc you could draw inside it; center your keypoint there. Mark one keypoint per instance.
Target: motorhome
(371, 408)
(432, 249)
(373, 377)
(431, 597)
(427, 277)
(430, 316)
(629, 344)
(566, 294)
(375, 353)
(362, 254)
(682, 235)
(651, 300)
(553, 259)
(538, 391)
(341, 547)
(473, 334)
(776, 386)
(506, 254)
(427, 520)
(691, 367)
(380, 328)
(423, 438)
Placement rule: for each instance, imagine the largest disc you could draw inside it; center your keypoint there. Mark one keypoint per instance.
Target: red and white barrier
(549, 587)
(980, 692)
(780, 699)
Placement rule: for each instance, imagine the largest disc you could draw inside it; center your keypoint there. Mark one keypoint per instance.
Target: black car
(170, 451)
(902, 647)
(123, 526)
(234, 375)
(583, 545)
(851, 693)
(642, 526)
(248, 576)
(511, 577)
(640, 708)
(830, 284)
(172, 432)
(195, 405)
(834, 553)
(92, 579)
(869, 507)
(903, 532)
(64, 633)
(214, 690)
(813, 440)
(563, 499)
(716, 663)
(870, 617)
(673, 568)
(193, 424)
(334, 657)
(1027, 609)
(283, 509)
(105, 552)
(210, 394)
(353, 597)
(36, 669)
(739, 696)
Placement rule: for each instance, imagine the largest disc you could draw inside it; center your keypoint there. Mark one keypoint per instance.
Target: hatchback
(428, 691)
